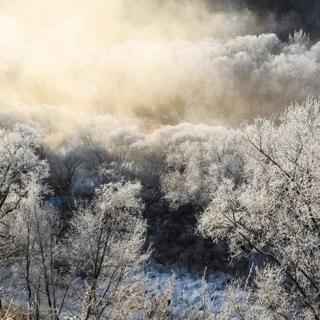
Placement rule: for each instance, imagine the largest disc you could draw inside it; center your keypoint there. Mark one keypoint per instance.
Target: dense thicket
(254, 189)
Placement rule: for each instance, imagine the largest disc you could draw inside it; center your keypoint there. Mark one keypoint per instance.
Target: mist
(151, 63)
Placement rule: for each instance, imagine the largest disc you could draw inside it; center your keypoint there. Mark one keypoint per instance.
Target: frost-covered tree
(22, 173)
(108, 234)
(275, 212)
(197, 159)
(20, 166)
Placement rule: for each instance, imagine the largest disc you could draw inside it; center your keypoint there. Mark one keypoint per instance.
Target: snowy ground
(185, 295)
(187, 288)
